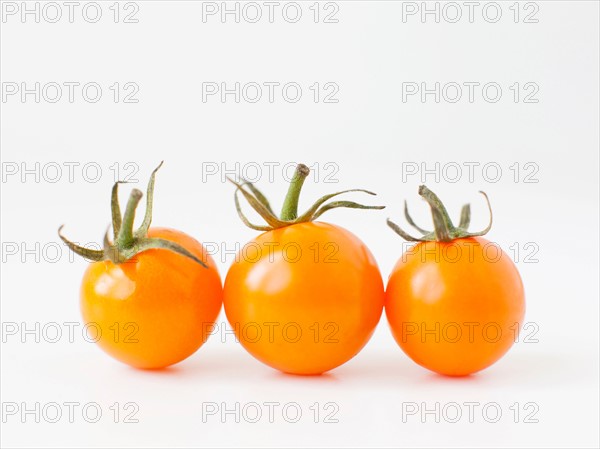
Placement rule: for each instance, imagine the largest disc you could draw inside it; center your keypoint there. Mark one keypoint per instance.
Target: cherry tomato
(304, 298)
(150, 297)
(155, 309)
(454, 307)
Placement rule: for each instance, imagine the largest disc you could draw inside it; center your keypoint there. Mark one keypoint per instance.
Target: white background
(369, 133)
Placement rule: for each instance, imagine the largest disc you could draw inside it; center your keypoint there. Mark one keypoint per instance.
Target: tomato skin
(156, 309)
(314, 311)
(432, 286)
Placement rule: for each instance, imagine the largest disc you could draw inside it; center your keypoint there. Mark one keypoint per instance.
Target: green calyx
(289, 213)
(444, 229)
(127, 242)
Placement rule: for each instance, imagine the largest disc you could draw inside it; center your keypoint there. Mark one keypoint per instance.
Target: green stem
(443, 226)
(127, 244)
(125, 238)
(115, 209)
(435, 201)
(444, 230)
(290, 205)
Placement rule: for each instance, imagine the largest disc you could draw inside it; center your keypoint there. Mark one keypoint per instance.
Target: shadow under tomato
(384, 370)
(172, 370)
(433, 377)
(309, 378)
(378, 366)
(210, 365)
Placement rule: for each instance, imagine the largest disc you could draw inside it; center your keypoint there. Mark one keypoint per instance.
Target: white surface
(369, 133)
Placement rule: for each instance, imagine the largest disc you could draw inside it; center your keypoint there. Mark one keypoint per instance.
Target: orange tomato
(304, 298)
(455, 307)
(155, 309)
